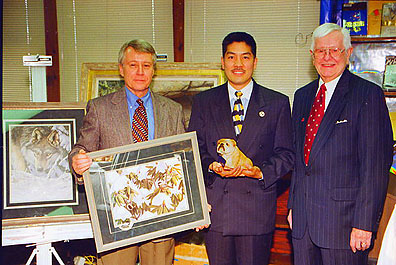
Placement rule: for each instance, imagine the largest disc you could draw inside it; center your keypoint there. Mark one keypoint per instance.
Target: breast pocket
(343, 124)
(346, 134)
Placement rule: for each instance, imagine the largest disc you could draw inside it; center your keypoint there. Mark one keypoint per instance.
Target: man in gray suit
(343, 141)
(109, 123)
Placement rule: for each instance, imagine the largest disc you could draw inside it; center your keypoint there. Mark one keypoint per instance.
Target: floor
(18, 255)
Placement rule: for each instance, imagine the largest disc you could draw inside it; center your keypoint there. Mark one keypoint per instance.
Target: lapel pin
(261, 114)
(302, 120)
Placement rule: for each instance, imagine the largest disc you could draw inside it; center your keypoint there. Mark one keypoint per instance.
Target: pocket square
(343, 121)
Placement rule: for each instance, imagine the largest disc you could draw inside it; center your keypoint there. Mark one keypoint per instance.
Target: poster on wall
(354, 18)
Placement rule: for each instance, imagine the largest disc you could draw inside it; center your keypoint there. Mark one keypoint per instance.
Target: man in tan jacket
(108, 123)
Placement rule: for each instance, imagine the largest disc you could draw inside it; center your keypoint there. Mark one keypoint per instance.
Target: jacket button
(307, 173)
(225, 191)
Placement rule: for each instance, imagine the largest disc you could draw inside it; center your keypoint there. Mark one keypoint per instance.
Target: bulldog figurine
(229, 151)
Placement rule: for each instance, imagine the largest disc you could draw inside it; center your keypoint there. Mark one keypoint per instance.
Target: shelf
(373, 39)
(391, 94)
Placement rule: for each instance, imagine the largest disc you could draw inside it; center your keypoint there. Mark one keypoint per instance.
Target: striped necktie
(237, 113)
(314, 120)
(140, 123)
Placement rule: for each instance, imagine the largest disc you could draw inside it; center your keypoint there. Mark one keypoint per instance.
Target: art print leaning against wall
(37, 138)
(178, 81)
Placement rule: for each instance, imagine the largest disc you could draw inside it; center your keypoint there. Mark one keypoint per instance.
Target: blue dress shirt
(148, 104)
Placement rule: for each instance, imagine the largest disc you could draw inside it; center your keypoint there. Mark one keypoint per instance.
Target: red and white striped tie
(140, 123)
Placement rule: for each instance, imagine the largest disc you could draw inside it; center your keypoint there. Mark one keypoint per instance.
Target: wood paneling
(51, 48)
(178, 30)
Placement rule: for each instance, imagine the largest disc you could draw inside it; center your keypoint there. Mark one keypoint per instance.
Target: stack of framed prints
(145, 191)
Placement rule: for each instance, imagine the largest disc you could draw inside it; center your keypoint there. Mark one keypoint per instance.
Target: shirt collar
(132, 97)
(246, 91)
(330, 86)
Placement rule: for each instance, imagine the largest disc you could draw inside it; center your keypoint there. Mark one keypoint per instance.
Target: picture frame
(145, 191)
(388, 20)
(98, 79)
(368, 58)
(389, 82)
(178, 81)
(36, 177)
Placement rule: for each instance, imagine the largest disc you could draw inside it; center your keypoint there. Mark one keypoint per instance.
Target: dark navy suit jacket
(244, 206)
(345, 182)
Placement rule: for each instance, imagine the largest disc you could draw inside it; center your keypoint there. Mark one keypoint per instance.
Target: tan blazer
(107, 123)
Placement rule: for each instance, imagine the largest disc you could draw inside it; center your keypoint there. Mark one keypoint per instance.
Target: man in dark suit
(109, 122)
(243, 198)
(342, 161)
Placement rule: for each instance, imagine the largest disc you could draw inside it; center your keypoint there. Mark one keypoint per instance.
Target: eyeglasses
(333, 52)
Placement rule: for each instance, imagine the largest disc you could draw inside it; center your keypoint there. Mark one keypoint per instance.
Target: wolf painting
(38, 163)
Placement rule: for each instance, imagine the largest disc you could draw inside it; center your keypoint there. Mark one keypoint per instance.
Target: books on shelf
(354, 18)
(374, 16)
(390, 73)
(388, 22)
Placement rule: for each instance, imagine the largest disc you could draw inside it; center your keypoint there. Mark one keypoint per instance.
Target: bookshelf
(372, 39)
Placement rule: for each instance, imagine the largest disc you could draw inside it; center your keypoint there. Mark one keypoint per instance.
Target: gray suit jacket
(107, 123)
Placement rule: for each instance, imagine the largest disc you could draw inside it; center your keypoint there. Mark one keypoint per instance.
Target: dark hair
(239, 37)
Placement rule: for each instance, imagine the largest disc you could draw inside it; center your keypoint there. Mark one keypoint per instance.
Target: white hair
(327, 28)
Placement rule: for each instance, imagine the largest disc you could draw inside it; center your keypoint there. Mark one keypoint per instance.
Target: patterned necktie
(237, 113)
(140, 123)
(315, 117)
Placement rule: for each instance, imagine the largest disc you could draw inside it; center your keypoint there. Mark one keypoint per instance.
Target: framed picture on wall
(178, 81)
(37, 138)
(145, 191)
(98, 79)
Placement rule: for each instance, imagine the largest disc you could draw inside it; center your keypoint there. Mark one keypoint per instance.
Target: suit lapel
(120, 112)
(307, 101)
(160, 115)
(333, 111)
(257, 104)
(222, 110)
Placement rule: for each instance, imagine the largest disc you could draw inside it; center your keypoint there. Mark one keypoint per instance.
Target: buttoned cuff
(80, 180)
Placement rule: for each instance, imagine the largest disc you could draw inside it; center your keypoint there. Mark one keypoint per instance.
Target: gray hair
(138, 46)
(327, 28)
